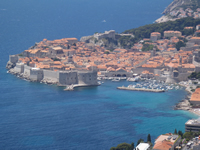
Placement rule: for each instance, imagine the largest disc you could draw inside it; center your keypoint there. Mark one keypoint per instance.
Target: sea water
(40, 116)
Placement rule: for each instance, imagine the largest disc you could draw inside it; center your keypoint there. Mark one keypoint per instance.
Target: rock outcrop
(180, 3)
(10, 65)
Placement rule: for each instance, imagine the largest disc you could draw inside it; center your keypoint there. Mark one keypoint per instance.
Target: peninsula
(170, 56)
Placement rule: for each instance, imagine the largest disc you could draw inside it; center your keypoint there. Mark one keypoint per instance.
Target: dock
(140, 89)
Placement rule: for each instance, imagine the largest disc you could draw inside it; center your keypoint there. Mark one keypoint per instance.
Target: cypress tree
(149, 138)
(175, 132)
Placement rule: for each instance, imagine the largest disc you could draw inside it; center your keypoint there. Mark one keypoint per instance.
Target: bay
(39, 116)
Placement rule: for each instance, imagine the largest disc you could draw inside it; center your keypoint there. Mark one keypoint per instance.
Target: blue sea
(39, 116)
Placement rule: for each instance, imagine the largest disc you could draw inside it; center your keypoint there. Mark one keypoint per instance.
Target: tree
(140, 141)
(175, 132)
(123, 146)
(188, 135)
(149, 138)
(132, 146)
(180, 133)
(106, 52)
(147, 47)
(179, 45)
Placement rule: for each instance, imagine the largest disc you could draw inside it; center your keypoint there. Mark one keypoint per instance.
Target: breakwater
(139, 89)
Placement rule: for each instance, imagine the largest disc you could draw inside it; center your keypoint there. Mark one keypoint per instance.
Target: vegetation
(126, 146)
(123, 146)
(140, 141)
(180, 133)
(56, 59)
(179, 45)
(149, 138)
(145, 31)
(21, 55)
(175, 131)
(109, 43)
(188, 31)
(106, 52)
(127, 41)
(147, 47)
(194, 75)
(189, 135)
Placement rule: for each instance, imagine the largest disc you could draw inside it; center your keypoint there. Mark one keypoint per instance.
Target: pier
(139, 89)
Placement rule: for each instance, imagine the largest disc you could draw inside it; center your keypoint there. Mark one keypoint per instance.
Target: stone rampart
(87, 78)
(51, 75)
(19, 68)
(183, 76)
(36, 74)
(13, 58)
(68, 78)
(27, 70)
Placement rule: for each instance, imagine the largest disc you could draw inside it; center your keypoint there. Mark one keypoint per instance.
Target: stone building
(13, 58)
(155, 36)
(109, 34)
(172, 33)
(53, 51)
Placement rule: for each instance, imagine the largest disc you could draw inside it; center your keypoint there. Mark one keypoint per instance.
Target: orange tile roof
(196, 95)
(163, 145)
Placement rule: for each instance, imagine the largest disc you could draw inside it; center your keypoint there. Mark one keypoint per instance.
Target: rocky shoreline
(164, 19)
(185, 103)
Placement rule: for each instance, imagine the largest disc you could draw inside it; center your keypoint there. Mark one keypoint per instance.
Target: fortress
(61, 78)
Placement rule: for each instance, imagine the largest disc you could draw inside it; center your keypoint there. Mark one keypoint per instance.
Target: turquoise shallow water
(39, 116)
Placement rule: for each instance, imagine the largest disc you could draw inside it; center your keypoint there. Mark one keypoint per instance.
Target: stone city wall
(27, 70)
(13, 58)
(87, 78)
(68, 78)
(36, 74)
(19, 68)
(51, 75)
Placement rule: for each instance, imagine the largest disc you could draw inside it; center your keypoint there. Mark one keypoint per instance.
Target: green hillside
(145, 31)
